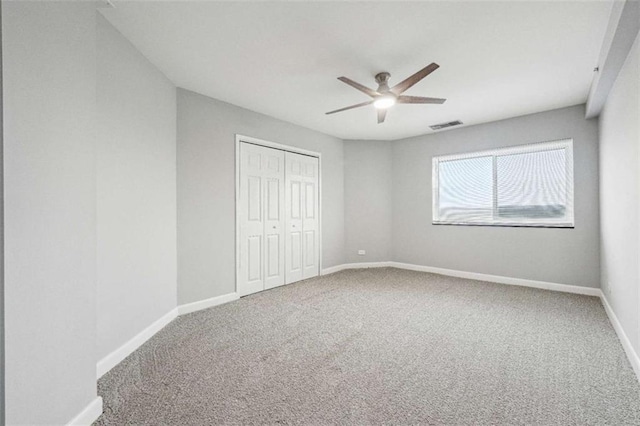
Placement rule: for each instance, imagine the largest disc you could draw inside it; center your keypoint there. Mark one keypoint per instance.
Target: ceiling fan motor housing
(382, 78)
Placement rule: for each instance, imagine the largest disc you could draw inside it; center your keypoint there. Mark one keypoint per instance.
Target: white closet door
(293, 214)
(301, 200)
(261, 206)
(274, 219)
(310, 228)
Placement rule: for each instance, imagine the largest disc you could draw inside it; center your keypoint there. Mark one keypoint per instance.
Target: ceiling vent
(445, 125)
(104, 4)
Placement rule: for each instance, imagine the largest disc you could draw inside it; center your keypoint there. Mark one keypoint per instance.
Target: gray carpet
(381, 346)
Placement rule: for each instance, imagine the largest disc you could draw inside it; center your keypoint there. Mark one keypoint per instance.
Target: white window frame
(566, 144)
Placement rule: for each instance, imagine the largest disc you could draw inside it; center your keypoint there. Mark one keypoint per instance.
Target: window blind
(529, 185)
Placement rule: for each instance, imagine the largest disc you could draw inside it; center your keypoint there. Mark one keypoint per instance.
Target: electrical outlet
(361, 252)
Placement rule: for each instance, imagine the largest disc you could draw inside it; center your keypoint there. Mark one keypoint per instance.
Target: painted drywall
(563, 256)
(620, 194)
(136, 191)
(2, 422)
(367, 200)
(49, 85)
(206, 190)
(622, 30)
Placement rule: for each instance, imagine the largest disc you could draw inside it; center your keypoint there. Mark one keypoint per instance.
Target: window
(529, 185)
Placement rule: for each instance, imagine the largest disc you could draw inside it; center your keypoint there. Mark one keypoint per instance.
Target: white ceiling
(497, 59)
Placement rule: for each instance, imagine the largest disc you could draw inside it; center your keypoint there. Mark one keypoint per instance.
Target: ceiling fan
(384, 98)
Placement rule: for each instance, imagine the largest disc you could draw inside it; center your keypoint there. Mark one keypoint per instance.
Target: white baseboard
(207, 303)
(361, 265)
(115, 357)
(89, 415)
(566, 288)
(626, 343)
(332, 269)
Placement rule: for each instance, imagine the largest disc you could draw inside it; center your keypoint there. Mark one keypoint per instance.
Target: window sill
(509, 225)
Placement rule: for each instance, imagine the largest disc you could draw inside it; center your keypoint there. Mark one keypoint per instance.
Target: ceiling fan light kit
(384, 101)
(385, 97)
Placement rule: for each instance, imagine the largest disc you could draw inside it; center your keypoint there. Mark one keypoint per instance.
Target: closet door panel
(273, 196)
(260, 219)
(293, 223)
(310, 222)
(302, 217)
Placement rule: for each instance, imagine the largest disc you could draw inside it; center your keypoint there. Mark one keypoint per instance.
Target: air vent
(104, 4)
(445, 125)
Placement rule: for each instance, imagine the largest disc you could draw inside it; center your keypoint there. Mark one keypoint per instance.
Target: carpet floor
(381, 346)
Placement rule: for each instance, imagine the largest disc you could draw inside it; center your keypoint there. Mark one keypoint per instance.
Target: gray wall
(136, 191)
(50, 208)
(619, 195)
(367, 200)
(206, 190)
(1, 240)
(565, 256)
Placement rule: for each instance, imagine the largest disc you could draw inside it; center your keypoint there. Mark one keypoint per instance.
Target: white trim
(626, 343)
(566, 288)
(115, 357)
(89, 414)
(320, 214)
(187, 308)
(236, 213)
(269, 144)
(360, 265)
(333, 269)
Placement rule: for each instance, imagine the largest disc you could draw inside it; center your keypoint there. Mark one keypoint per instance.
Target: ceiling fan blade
(359, 86)
(350, 107)
(410, 81)
(419, 100)
(382, 113)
